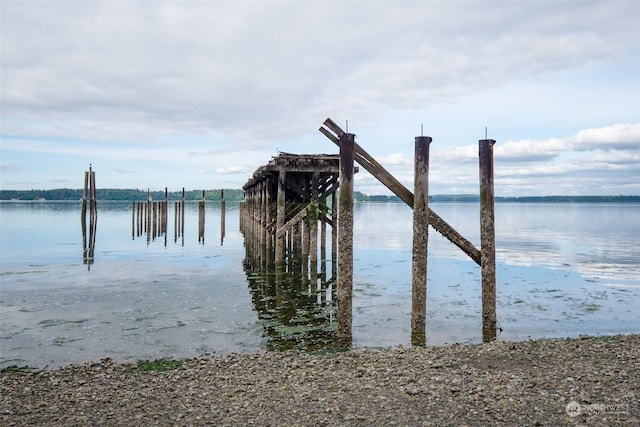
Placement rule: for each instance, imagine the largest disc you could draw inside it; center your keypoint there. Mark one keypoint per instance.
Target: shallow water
(562, 270)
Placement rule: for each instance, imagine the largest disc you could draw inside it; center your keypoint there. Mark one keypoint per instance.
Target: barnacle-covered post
(487, 240)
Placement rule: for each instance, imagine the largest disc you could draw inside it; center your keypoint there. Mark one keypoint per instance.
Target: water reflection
(89, 239)
(295, 311)
(295, 303)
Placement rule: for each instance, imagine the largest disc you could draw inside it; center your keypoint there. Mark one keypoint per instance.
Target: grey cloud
(261, 72)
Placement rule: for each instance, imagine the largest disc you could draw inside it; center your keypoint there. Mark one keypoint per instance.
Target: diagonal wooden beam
(296, 218)
(378, 171)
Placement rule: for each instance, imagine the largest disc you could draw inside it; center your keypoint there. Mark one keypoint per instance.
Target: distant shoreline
(111, 194)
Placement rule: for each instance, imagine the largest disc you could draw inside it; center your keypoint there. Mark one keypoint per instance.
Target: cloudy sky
(198, 94)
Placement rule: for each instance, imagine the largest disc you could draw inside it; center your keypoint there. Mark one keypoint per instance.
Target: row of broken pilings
(150, 218)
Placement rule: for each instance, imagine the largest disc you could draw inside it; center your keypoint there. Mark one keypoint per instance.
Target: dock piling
(420, 241)
(345, 236)
(487, 240)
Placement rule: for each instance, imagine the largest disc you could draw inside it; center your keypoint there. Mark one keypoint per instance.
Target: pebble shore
(585, 381)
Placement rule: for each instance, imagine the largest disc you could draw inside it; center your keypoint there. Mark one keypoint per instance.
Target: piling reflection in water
(284, 202)
(295, 303)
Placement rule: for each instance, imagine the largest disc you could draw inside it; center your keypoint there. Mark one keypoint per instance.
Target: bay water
(563, 269)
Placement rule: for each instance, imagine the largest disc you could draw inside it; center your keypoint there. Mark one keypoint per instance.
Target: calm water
(562, 270)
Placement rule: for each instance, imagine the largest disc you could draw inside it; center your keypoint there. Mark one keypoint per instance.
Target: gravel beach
(592, 381)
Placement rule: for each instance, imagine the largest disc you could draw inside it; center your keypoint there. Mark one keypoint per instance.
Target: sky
(198, 94)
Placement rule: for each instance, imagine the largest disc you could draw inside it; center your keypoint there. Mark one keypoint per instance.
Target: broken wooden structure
(285, 200)
(350, 151)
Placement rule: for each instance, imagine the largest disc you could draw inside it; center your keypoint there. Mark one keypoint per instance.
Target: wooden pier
(285, 200)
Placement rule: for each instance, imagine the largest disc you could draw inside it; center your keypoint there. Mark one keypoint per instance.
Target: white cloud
(395, 159)
(233, 170)
(614, 137)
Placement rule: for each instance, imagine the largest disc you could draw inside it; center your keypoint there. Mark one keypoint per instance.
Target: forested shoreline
(116, 194)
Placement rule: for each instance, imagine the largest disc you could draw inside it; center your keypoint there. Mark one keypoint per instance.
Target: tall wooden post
(345, 236)
(420, 241)
(201, 212)
(282, 175)
(175, 221)
(182, 217)
(268, 219)
(487, 240)
(223, 206)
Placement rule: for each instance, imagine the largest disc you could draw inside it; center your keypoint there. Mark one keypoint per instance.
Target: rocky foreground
(593, 381)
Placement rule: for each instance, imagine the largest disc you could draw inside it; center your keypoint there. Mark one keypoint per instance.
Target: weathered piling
(222, 217)
(140, 218)
(89, 242)
(182, 217)
(165, 213)
(345, 236)
(280, 215)
(487, 240)
(420, 240)
(154, 220)
(313, 216)
(149, 217)
(201, 214)
(176, 218)
(334, 236)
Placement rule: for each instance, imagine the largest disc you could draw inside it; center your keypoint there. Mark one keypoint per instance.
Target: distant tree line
(571, 199)
(117, 194)
(361, 197)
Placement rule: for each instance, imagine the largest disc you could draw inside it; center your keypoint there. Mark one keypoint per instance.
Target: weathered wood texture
(420, 241)
(487, 240)
(89, 238)
(345, 236)
(300, 185)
